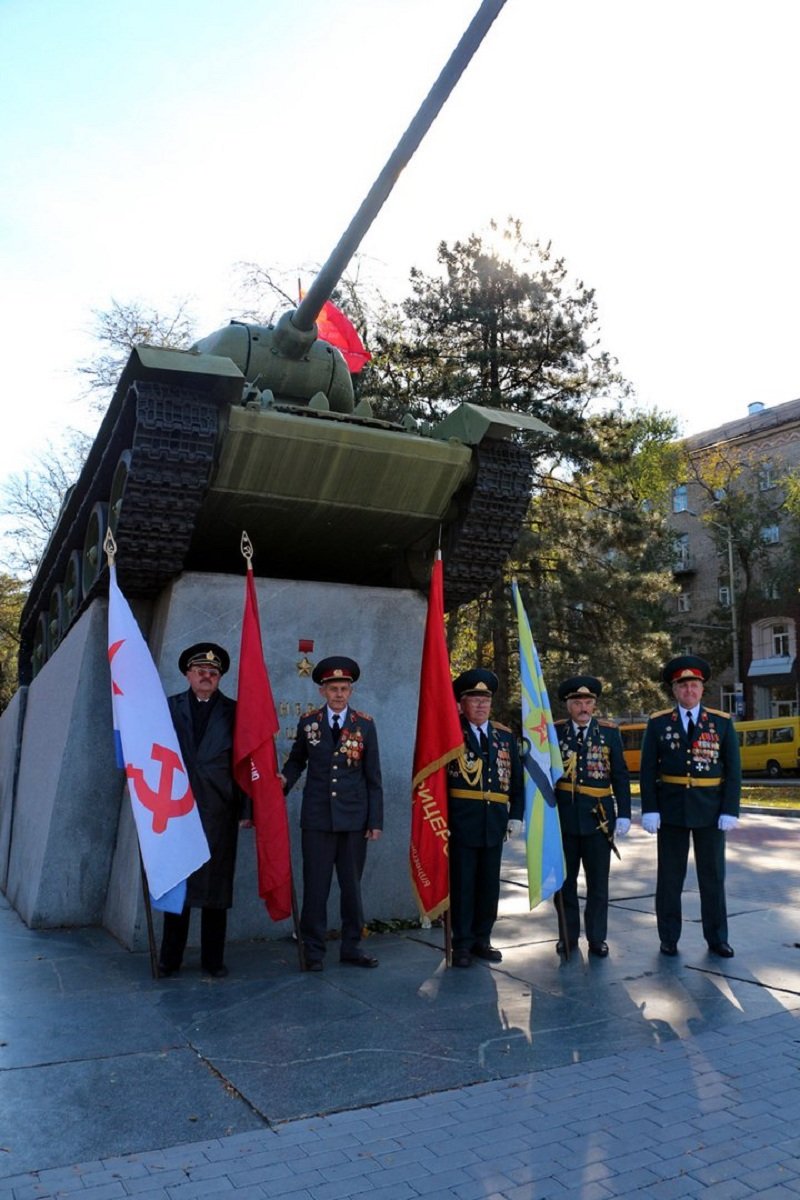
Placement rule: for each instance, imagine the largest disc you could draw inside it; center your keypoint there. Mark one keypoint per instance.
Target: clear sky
(148, 145)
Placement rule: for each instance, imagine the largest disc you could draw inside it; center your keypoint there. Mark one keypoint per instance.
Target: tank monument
(255, 428)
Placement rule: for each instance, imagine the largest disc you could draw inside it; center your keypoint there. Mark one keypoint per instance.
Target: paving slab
(101, 1065)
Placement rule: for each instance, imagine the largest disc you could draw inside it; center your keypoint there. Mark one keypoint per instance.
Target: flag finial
(246, 547)
(110, 547)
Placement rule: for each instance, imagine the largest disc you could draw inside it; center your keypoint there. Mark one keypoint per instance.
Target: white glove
(622, 826)
(651, 822)
(514, 828)
(726, 823)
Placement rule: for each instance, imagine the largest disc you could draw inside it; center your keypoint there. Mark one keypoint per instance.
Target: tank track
(172, 455)
(478, 545)
(171, 432)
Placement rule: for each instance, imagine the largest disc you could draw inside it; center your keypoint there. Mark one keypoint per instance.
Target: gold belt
(566, 786)
(463, 794)
(690, 780)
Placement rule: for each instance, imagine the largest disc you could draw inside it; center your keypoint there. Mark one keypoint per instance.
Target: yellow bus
(632, 733)
(770, 747)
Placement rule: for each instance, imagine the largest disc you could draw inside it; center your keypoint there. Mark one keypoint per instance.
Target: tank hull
(190, 454)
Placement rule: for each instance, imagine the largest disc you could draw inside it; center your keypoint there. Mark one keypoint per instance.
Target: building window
(684, 602)
(771, 590)
(682, 555)
(724, 594)
(766, 477)
(686, 648)
(680, 498)
(780, 641)
(770, 534)
(774, 637)
(727, 701)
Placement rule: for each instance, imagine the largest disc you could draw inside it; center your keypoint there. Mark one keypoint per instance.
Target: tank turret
(255, 427)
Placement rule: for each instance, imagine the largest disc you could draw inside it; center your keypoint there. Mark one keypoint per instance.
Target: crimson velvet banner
(439, 740)
(255, 763)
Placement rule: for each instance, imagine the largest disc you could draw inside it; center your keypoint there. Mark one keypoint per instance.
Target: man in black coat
(595, 775)
(342, 809)
(486, 803)
(690, 779)
(203, 719)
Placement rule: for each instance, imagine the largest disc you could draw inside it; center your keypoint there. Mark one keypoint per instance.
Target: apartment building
(738, 601)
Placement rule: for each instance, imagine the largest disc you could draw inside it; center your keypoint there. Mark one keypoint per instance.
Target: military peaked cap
(477, 682)
(687, 666)
(336, 669)
(579, 687)
(204, 654)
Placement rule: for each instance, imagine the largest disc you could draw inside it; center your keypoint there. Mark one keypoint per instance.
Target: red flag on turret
(439, 740)
(255, 763)
(337, 329)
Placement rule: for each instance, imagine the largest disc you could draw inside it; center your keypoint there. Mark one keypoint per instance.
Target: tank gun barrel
(311, 305)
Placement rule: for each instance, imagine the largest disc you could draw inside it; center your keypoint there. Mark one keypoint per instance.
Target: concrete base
(68, 790)
(10, 737)
(73, 858)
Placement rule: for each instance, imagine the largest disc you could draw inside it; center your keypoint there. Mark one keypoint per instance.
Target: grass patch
(759, 795)
(755, 795)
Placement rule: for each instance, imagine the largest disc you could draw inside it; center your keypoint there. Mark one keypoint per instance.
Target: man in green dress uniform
(595, 776)
(690, 780)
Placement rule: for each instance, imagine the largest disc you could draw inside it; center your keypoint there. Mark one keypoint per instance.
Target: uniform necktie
(335, 727)
(690, 730)
(484, 743)
(581, 735)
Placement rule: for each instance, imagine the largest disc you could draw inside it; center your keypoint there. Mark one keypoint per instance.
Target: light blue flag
(543, 769)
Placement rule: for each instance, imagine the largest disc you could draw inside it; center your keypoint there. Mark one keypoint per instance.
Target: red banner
(255, 763)
(338, 330)
(439, 740)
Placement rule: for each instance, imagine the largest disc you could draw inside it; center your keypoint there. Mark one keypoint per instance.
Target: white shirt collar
(342, 715)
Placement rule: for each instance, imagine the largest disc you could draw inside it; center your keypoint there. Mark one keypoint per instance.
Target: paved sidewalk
(631, 1076)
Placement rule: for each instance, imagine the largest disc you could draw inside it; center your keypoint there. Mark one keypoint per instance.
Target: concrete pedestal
(72, 855)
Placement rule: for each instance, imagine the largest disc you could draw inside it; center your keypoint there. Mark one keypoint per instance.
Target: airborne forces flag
(543, 769)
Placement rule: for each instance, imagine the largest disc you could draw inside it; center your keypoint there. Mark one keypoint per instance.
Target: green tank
(256, 428)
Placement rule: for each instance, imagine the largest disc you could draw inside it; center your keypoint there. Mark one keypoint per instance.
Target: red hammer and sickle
(160, 803)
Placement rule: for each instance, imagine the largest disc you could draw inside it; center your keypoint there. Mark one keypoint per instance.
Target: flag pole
(148, 912)
(110, 548)
(563, 937)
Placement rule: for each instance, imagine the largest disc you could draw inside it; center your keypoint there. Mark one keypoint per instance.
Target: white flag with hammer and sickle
(171, 836)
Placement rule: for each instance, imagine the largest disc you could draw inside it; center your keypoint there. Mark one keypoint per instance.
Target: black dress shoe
(314, 964)
(561, 947)
(721, 949)
(462, 958)
(216, 972)
(167, 972)
(669, 948)
(360, 960)
(487, 952)
(599, 949)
